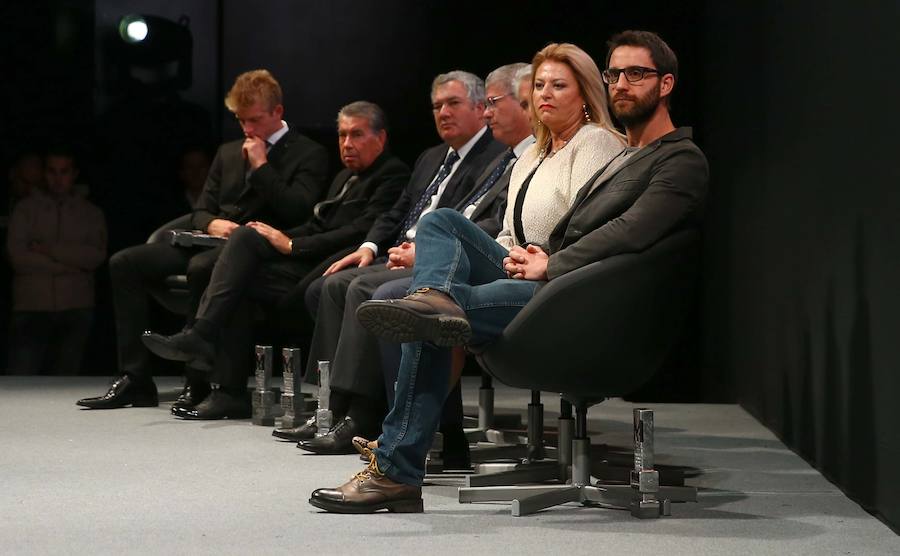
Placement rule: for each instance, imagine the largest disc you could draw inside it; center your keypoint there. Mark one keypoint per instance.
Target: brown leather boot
(367, 492)
(425, 315)
(365, 447)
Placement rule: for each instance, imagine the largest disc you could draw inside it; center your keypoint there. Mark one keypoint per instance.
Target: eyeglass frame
(606, 76)
(491, 102)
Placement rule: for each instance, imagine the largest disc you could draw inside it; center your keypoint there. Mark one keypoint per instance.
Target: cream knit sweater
(556, 183)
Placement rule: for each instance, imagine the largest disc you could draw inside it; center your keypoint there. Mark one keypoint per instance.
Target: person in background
(56, 240)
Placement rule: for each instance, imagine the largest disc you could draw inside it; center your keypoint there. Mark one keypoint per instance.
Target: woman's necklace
(545, 154)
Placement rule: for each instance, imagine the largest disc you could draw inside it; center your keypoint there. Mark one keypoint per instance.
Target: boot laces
(370, 472)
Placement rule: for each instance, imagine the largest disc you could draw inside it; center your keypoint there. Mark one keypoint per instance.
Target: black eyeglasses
(491, 102)
(633, 74)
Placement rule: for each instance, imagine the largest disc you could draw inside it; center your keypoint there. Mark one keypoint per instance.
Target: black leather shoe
(193, 393)
(306, 431)
(218, 405)
(425, 315)
(125, 390)
(367, 492)
(185, 346)
(339, 439)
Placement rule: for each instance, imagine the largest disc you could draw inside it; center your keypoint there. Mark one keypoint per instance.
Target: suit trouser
(136, 273)
(248, 269)
(340, 338)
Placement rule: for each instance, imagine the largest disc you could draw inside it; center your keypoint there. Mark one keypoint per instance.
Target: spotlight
(133, 28)
(150, 50)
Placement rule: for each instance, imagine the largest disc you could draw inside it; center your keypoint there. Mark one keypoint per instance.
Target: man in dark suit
(444, 176)
(274, 174)
(508, 120)
(267, 265)
(655, 187)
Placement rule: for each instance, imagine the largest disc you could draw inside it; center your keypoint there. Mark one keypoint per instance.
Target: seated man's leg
(330, 313)
(459, 259)
(357, 390)
(199, 273)
(134, 273)
(230, 278)
(455, 453)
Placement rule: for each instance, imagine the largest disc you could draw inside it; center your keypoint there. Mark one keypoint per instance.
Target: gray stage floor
(138, 481)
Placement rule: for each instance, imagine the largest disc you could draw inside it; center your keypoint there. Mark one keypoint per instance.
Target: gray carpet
(137, 481)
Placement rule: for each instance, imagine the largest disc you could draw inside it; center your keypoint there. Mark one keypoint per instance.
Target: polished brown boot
(367, 492)
(426, 315)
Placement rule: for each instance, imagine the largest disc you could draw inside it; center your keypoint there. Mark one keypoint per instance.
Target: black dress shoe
(425, 315)
(185, 346)
(125, 390)
(367, 492)
(306, 431)
(193, 393)
(218, 405)
(339, 439)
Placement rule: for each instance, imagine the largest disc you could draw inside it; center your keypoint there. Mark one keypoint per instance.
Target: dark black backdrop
(793, 105)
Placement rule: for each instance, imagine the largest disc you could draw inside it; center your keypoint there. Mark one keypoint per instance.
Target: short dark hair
(365, 109)
(663, 56)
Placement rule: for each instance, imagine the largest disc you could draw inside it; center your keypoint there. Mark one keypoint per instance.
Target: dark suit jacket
(660, 189)
(344, 223)
(461, 185)
(489, 213)
(281, 192)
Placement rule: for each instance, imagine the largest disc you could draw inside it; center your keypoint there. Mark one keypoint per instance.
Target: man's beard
(638, 111)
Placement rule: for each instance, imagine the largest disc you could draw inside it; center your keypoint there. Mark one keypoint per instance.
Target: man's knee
(395, 289)
(442, 218)
(336, 285)
(244, 237)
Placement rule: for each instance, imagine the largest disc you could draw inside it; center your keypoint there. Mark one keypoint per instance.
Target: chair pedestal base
(527, 500)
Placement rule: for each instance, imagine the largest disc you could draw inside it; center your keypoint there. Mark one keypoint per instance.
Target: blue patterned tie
(413, 215)
(492, 179)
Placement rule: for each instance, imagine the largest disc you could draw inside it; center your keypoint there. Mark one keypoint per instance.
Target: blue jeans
(455, 256)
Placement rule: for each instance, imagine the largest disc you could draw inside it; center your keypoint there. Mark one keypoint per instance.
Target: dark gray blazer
(281, 192)
(386, 229)
(660, 189)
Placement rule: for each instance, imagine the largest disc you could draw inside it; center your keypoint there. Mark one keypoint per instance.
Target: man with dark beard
(655, 187)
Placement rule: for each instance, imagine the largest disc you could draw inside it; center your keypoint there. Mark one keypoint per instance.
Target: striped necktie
(492, 179)
(413, 215)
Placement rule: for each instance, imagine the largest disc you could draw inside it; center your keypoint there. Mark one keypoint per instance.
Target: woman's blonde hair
(593, 91)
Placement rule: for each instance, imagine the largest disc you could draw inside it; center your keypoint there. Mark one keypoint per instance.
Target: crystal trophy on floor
(323, 413)
(263, 400)
(644, 479)
(291, 397)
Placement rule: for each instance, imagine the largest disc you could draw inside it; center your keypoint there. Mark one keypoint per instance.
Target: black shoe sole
(403, 325)
(136, 403)
(285, 438)
(393, 506)
(336, 451)
(209, 418)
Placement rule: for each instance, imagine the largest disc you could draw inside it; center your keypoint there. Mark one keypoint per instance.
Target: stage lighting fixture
(133, 28)
(151, 50)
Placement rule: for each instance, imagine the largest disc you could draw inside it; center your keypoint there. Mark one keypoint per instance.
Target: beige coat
(74, 233)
